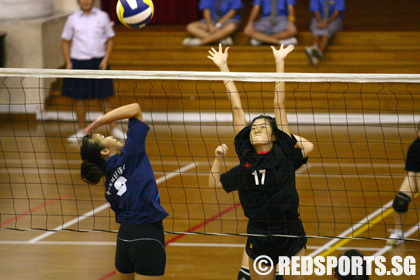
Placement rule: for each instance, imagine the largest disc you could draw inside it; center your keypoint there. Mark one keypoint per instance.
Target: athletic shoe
(316, 52)
(289, 41)
(396, 238)
(191, 41)
(255, 42)
(312, 59)
(77, 137)
(227, 41)
(118, 133)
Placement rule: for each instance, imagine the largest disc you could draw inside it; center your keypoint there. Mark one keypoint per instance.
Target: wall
(70, 5)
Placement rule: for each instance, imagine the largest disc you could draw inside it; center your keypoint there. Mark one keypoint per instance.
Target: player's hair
(91, 170)
(271, 120)
(352, 253)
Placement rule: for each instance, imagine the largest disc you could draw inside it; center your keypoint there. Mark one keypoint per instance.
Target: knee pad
(401, 202)
(244, 274)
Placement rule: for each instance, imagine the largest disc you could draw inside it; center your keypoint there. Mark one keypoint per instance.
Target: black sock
(278, 276)
(244, 274)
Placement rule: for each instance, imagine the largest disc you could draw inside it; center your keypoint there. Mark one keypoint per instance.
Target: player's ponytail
(91, 170)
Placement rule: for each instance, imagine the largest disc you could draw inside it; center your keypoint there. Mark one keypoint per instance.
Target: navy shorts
(412, 162)
(274, 246)
(141, 249)
(87, 88)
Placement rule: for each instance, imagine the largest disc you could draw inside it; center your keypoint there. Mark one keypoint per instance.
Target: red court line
(108, 275)
(203, 223)
(32, 210)
(189, 230)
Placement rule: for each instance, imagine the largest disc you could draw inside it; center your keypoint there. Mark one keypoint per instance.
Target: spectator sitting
(220, 20)
(276, 26)
(327, 20)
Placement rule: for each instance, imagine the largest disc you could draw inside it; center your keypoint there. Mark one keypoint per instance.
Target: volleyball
(135, 13)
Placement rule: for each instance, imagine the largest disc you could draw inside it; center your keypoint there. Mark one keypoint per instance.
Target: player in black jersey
(265, 178)
(408, 188)
(131, 190)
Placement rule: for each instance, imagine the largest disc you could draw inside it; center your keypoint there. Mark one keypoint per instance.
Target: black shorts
(141, 249)
(412, 162)
(273, 246)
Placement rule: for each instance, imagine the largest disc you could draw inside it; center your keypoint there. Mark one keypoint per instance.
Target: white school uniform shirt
(88, 34)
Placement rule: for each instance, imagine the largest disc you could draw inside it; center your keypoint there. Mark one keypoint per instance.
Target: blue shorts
(332, 28)
(231, 20)
(264, 25)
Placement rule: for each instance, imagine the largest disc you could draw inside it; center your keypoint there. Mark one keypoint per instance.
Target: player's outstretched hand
(219, 57)
(282, 52)
(221, 151)
(91, 127)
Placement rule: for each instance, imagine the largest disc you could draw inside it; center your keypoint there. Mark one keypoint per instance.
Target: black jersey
(412, 161)
(266, 182)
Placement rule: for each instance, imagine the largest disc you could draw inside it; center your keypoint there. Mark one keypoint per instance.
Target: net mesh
(361, 126)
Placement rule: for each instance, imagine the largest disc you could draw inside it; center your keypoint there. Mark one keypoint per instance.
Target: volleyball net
(361, 126)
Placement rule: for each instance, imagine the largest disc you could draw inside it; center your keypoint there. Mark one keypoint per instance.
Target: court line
(172, 240)
(30, 211)
(65, 171)
(207, 117)
(174, 162)
(363, 227)
(328, 245)
(227, 210)
(106, 205)
(389, 247)
(174, 244)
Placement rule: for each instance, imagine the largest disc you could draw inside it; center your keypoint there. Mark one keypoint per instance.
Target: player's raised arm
(279, 91)
(214, 176)
(220, 59)
(124, 112)
(304, 144)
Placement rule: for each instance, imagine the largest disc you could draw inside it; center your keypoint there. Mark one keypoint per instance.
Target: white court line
(79, 161)
(388, 247)
(351, 229)
(225, 117)
(174, 162)
(174, 244)
(106, 205)
(63, 171)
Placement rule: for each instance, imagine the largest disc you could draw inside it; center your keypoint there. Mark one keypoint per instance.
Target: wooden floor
(354, 171)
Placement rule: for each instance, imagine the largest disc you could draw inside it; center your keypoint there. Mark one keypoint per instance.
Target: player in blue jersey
(131, 190)
(269, 154)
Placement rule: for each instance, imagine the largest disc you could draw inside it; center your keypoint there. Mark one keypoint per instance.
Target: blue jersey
(130, 184)
(225, 7)
(334, 5)
(282, 9)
